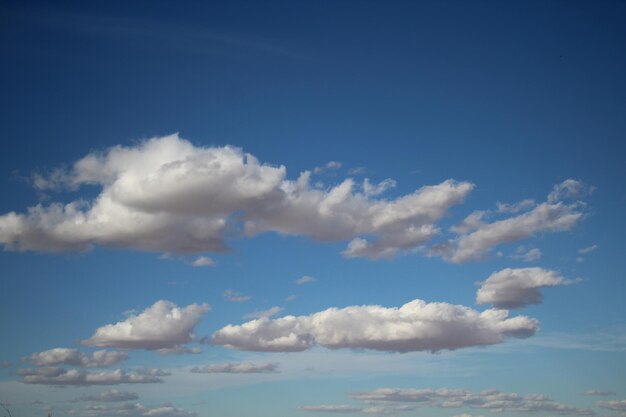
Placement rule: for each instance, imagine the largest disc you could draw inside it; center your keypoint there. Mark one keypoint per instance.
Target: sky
(367, 208)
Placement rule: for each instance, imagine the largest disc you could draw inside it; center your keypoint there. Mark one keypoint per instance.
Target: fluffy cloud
(264, 313)
(236, 368)
(163, 325)
(112, 395)
(514, 288)
(331, 408)
(416, 326)
(167, 195)
(73, 357)
(133, 410)
(63, 377)
(492, 400)
(476, 237)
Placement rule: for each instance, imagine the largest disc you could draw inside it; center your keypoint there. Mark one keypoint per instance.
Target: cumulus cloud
(376, 189)
(132, 410)
(514, 288)
(304, 279)
(163, 325)
(416, 326)
(112, 395)
(236, 368)
(73, 357)
(476, 237)
(491, 400)
(167, 195)
(63, 377)
(264, 313)
(203, 261)
(235, 297)
(331, 408)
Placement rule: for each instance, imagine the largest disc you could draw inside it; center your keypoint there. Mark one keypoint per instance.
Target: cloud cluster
(476, 237)
(132, 410)
(415, 326)
(167, 195)
(112, 395)
(236, 368)
(163, 325)
(73, 357)
(514, 288)
(65, 377)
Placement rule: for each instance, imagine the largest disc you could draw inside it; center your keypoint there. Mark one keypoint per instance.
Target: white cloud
(167, 195)
(531, 255)
(235, 297)
(203, 261)
(377, 189)
(330, 408)
(179, 350)
(597, 393)
(236, 368)
(67, 356)
(416, 326)
(330, 166)
(304, 279)
(112, 395)
(264, 313)
(514, 288)
(163, 325)
(569, 189)
(132, 410)
(617, 405)
(588, 249)
(61, 376)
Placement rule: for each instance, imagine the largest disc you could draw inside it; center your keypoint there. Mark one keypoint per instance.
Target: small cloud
(597, 393)
(291, 297)
(375, 189)
(264, 313)
(179, 350)
(236, 368)
(235, 297)
(331, 408)
(580, 259)
(357, 171)
(530, 255)
(203, 261)
(588, 249)
(5, 364)
(304, 279)
(330, 166)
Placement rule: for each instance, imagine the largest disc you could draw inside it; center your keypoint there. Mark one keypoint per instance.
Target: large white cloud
(65, 377)
(514, 288)
(163, 325)
(165, 194)
(416, 326)
(67, 356)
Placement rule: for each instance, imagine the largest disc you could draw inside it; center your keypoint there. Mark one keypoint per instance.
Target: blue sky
(238, 209)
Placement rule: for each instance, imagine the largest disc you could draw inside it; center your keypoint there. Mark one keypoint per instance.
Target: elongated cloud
(331, 408)
(165, 194)
(416, 326)
(163, 325)
(132, 410)
(66, 356)
(62, 376)
(112, 395)
(514, 288)
(236, 368)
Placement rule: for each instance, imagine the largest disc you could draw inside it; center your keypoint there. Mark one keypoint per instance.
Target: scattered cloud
(163, 325)
(5, 364)
(167, 195)
(330, 166)
(304, 279)
(203, 261)
(63, 377)
(514, 288)
(530, 255)
(291, 297)
(112, 395)
(597, 393)
(236, 368)
(264, 313)
(569, 189)
(588, 249)
(235, 297)
(132, 410)
(73, 357)
(617, 405)
(331, 408)
(180, 350)
(416, 326)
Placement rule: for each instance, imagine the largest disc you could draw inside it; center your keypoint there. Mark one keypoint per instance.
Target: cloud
(416, 326)
(235, 297)
(331, 408)
(66, 356)
(531, 255)
(476, 237)
(617, 405)
(514, 288)
(304, 279)
(132, 410)
(63, 377)
(167, 195)
(569, 189)
(492, 400)
(597, 393)
(377, 189)
(236, 368)
(588, 249)
(330, 166)
(163, 325)
(5, 364)
(179, 350)
(112, 395)
(203, 261)
(264, 313)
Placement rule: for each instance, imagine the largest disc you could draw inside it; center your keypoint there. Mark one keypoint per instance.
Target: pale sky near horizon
(249, 209)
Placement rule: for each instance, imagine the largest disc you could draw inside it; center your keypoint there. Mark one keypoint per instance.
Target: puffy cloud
(331, 408)
(133, 410)
(416, 326)
(264, 313)
(304, 279)
(476, 237)
(235, 297)
(112, 395)
(492, 400)
(163, 325)
(203, 261)
(597, 393)
(66, 356)
(236, 368)
(167, 195)
(514, 288)
(61, 376)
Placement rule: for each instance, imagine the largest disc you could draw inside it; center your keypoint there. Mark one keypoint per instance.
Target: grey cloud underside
(168, 195)
(416, 326)
(66, 377)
